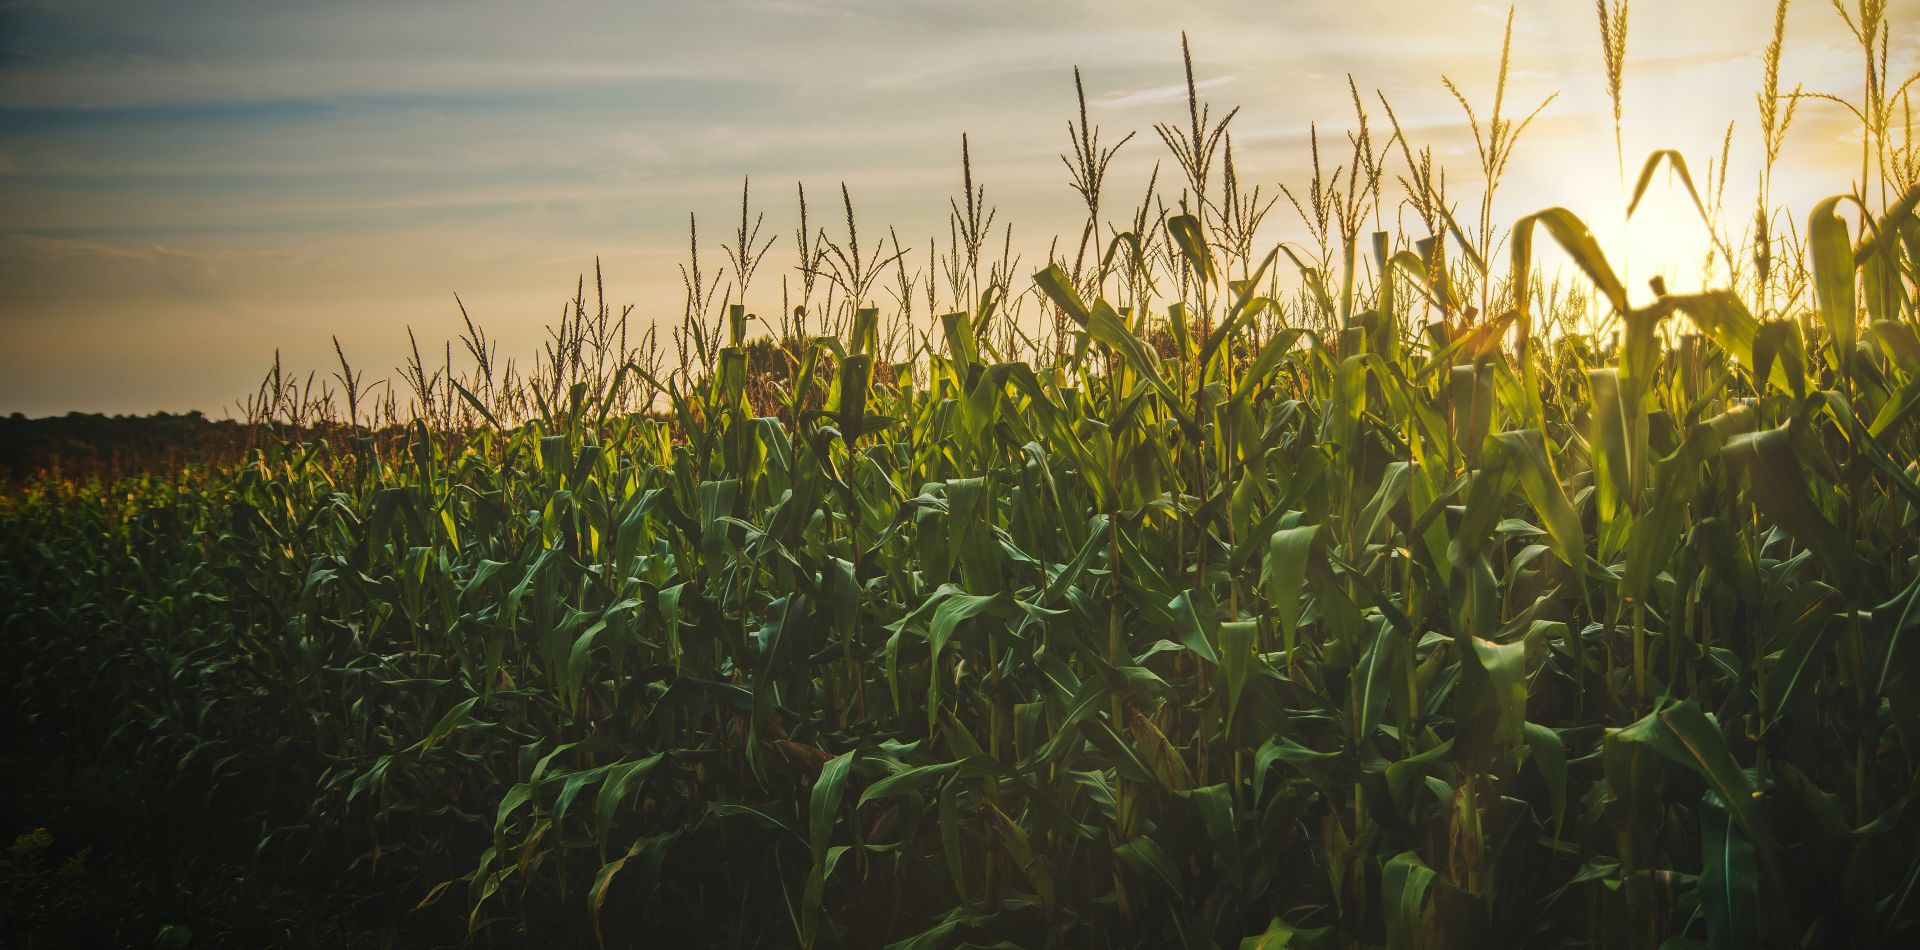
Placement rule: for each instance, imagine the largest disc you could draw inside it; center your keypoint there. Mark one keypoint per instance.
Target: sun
(1666, 237)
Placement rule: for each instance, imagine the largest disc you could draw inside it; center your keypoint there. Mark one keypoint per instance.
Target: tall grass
(1153, 601)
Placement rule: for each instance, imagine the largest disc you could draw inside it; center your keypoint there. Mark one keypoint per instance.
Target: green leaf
(1192, 241)
(1657, 534)
(822, 811)
(1144, 858)
(1679, 164)
(1280, 935)
(653, 853)
(1289, 553)
(1247, 303)
(1526, 452)
(1573, 237)
(1168, 765)
(1106, 327)
(1196, 624)
(1059, 288)
(1372, 677)
(1682, 734)
(1330, 771)
(614, 791)
(1616, 483)
(1729, 882)
(1549, 754)
(1780, 491)
(908, 781)
(455, 718)
(1404, 881)
(1833, 282)
(1493, 704)
(1033, 865)
(1237, 643)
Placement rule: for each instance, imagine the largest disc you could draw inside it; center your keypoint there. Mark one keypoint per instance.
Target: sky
(187, 187)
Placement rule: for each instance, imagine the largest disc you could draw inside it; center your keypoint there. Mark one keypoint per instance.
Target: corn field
(1377, 591)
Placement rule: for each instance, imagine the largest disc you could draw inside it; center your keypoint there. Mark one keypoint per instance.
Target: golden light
(1666, 237)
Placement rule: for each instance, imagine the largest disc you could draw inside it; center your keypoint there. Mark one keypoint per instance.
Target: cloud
(1175, 92)
(59, 269)
(182, 268)
(809, 10)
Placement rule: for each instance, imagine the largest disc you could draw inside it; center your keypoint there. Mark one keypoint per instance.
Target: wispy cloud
(1151, 95)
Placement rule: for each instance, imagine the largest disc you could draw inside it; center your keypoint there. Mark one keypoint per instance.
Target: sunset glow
(213, 182)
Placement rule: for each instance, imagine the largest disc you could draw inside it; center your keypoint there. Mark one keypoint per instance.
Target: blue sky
(185, 187)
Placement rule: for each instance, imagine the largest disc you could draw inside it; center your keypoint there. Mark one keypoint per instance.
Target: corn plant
(1316, 620)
